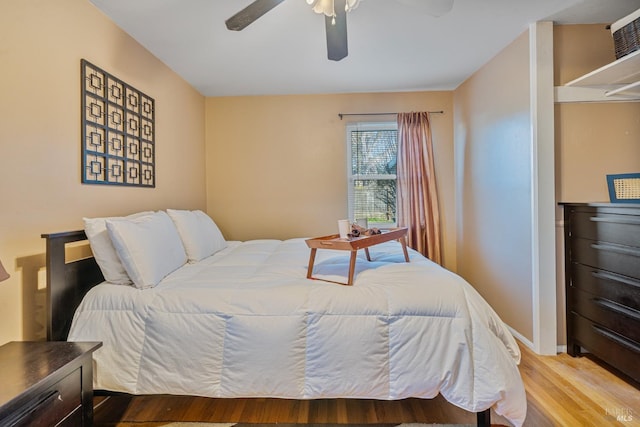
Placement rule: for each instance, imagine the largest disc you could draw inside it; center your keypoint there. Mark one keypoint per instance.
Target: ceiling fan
(335, 19)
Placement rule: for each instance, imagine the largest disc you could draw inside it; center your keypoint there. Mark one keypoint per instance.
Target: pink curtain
(417, 194)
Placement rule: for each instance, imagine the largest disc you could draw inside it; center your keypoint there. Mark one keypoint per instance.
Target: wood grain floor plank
(303, 412)
(341, 412)
(576, 391)
(549, 387)
(582, 374)
(236, 412)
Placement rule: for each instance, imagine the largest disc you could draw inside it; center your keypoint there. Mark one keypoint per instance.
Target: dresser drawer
(606, 227)
(613, 316)
(611, 257)
(52, 406)
(614, 287)
(607, 345)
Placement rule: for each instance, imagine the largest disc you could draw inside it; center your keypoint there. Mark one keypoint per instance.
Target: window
(371, 154)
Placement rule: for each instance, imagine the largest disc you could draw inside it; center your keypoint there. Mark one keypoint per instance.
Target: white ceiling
(392, 46)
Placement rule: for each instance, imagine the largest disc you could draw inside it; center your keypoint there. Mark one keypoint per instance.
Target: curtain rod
(341, 115)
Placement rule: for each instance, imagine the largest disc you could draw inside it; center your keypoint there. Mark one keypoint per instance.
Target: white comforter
(247, 323)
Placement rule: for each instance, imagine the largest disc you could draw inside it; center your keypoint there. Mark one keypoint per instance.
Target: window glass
(372, 151)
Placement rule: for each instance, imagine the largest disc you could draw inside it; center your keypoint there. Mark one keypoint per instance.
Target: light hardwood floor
(561, 391)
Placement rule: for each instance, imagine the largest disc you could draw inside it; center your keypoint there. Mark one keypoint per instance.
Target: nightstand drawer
(46, 383)
(611, 257)
(53, 405)
(614, 287)
(603, 227)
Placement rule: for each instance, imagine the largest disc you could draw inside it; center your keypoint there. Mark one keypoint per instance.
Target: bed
(240, 319)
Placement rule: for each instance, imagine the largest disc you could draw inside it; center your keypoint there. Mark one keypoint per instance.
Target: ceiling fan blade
(250, 13)
(337, 48)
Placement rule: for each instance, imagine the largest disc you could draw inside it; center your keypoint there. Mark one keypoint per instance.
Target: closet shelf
(617, 81)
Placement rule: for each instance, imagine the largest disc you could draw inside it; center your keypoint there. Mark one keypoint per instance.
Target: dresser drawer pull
(617, 308)
(617, 249)
(632, 221)
(616, 338)
(614, 278)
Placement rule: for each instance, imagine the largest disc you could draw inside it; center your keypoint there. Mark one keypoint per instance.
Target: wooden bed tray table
(353, 244)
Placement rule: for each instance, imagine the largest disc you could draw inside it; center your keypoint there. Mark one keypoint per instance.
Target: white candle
(344, 228)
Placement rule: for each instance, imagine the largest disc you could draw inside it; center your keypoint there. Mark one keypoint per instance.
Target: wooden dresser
(46, 384)
(602, 267)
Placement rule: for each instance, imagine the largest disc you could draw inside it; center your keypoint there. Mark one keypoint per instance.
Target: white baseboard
(520, 337)
(529, 344)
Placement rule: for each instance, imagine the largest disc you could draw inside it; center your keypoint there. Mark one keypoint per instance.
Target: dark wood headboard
(67, 282)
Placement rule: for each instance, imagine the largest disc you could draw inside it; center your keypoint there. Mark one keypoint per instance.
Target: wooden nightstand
(46, 383)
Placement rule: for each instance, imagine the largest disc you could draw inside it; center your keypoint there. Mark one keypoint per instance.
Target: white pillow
(149, 247)
(200, 236)
(103, 250)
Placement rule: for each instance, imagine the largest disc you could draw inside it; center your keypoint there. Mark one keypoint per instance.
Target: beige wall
(276, 165)
(41, 44)
(592, 139)
(493, 184)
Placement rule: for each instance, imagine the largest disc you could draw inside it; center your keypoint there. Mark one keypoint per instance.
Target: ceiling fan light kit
(327, 7)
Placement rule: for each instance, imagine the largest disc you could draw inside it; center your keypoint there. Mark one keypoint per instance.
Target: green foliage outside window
(373, 171)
